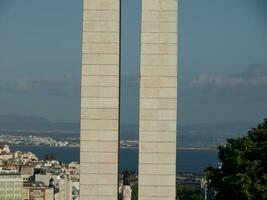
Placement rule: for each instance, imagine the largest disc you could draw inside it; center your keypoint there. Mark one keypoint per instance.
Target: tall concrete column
(100, 100)
(158, 100)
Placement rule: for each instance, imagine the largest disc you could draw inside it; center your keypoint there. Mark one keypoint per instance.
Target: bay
(188, 160)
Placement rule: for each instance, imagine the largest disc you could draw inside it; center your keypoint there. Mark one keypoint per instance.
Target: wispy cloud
(252, 80)
(63, 86)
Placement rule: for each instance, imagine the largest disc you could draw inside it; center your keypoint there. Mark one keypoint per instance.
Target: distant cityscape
(55, 179)
(37, 140)
(42, 140)
(27, 177)
(31, 140)
(25, 130)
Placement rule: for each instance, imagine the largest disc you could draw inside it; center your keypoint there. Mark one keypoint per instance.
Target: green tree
(189, 192)
(243, 171)
(135, 192)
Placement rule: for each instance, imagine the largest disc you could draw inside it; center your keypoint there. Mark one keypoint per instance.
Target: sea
(188, 160)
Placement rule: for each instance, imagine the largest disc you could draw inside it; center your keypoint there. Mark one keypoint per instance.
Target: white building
(11, 186)
(4, 148)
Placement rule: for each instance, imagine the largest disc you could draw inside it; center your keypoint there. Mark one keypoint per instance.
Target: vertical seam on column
(177, 85)
(81, 66)
(139, 108)
(119, 110)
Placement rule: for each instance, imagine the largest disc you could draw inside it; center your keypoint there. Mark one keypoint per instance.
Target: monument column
(158, 100)
(100, 100)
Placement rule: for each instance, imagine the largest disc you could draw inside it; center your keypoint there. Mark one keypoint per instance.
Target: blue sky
(222, 59)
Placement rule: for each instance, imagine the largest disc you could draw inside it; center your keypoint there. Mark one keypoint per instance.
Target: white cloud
(253, 79)
(65, 85)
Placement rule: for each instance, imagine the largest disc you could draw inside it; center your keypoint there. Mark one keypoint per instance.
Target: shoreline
(122, 147)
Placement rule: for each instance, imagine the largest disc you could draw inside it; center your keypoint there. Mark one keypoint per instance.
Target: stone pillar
(100, 100)
(158, 100)
(126, 192)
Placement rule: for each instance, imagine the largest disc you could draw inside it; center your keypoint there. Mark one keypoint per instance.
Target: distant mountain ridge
(226, 127)
(207, 133)
(204, 132)
(19, 122)
(211, 134)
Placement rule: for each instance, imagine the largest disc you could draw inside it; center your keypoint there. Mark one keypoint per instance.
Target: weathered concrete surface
(100, 100)
(158, 100)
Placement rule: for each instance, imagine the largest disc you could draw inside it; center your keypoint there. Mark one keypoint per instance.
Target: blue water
(187, 160)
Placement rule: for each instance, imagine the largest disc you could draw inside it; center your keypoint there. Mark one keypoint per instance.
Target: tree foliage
(135, 192)
(189, 192)
(243, 171)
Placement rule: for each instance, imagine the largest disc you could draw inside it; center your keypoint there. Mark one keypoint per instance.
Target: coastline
(121, 147)
(188, 159)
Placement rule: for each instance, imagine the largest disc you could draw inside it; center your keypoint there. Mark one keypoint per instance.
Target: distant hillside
(16, 122)
(210, 134)
(220, 126)
(208, 131)
(192, 135)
